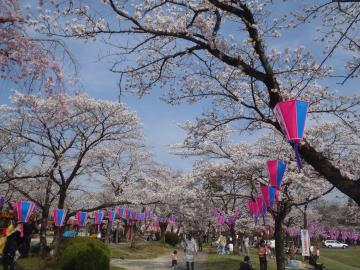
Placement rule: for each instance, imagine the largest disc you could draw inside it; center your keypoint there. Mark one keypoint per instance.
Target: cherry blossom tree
(233, 173)
(192, 207)
(338, 32)
(186, 48)
(226, 186)
(164, 187)
(28, 61)
(68, 144)
(328, 213)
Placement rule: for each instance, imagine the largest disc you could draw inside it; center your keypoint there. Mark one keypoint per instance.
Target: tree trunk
(58, 233)
(117, 231)
(305, 216)
(233, 236)
(282, 211)
(331, 173)
(108, 231)
(163, 227)
(133, 238)
(57, 241)
(62, 197)
(126, 230)
(178, 229)
(44, 249)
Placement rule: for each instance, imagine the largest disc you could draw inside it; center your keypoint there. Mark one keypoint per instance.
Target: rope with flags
(226, 219)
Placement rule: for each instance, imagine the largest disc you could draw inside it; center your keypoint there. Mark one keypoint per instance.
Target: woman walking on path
(263, 251)
(247, 245)
(191, 250)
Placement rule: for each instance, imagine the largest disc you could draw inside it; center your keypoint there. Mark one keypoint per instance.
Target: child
(174, 260)
(246, 264)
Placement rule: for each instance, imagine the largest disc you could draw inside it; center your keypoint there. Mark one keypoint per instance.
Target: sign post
(305, 243)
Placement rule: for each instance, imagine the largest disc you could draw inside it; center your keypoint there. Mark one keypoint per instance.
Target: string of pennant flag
(319, 230)
(125, 213)
(24, 209)
(291, 116)
(225, 219)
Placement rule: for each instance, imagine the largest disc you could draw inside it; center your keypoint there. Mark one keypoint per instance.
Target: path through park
(160, 263)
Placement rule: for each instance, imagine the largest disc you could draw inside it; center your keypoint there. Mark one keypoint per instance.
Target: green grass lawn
(333, 259)
(34, 263)
(143, 250)
(232, 262)
(340, 259)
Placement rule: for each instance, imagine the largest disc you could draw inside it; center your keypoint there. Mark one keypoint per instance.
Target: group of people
(225, 245)
(190, 247)
(16, 244)
(267, 248)
(263, 252)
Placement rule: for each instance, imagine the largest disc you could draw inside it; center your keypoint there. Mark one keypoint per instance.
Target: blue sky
(159, 119)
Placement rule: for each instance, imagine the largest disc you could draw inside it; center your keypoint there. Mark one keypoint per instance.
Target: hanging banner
(305, 243)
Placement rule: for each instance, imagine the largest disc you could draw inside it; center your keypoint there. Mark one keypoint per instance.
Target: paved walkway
(160, 263)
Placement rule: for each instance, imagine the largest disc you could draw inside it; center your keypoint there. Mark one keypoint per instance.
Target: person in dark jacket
(11, 246)
(29, 229)
(246, 264)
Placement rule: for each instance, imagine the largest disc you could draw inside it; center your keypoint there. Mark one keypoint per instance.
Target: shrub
(171, 238)
(84, 253)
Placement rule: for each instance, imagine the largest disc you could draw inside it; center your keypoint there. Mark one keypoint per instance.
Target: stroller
(312, 262)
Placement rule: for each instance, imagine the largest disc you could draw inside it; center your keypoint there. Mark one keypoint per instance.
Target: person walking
(237, 246)
(174, 260)
(315, 253)
(200, 241)
(255, 243)
(191, 250)
(230, 245)
(247, 245)
(241, 243)
(11, 246)
(222, 243)
(29, 229)
(262, 252)
(272, 247)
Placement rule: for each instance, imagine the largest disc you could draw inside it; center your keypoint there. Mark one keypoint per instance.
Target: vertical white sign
(305, 243)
